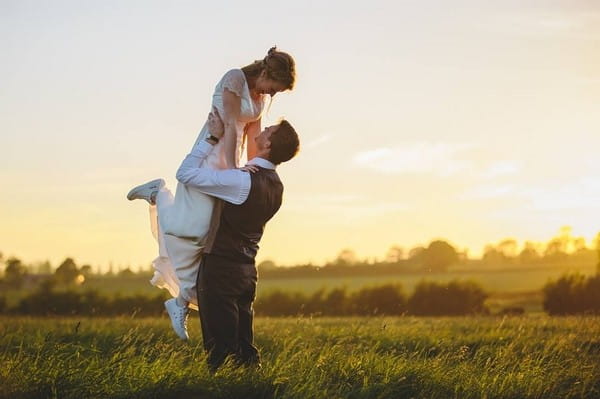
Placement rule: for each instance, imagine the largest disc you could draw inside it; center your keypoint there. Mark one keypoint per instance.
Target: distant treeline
(455, 298)
(437, 256)
(429, 299)
(569, 295)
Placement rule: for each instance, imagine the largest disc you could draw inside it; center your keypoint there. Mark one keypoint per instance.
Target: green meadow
(376, 357)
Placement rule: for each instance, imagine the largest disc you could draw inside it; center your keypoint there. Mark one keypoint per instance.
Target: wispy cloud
(501, 168)
(318, 141)
(582, 193)
(441, 159)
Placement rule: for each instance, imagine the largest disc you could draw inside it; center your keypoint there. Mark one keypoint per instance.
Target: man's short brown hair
(284, 143)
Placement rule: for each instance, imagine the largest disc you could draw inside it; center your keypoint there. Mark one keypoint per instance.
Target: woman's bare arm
(232, 105)
(252, 130)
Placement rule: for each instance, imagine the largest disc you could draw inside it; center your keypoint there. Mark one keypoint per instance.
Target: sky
(460, 120)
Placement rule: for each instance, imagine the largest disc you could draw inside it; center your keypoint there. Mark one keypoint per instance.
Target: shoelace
(183, 314)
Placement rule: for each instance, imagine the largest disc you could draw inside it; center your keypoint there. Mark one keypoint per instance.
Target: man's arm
(231, 185)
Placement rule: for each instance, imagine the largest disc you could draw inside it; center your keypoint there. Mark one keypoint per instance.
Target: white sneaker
(145, 191)
(179, 316)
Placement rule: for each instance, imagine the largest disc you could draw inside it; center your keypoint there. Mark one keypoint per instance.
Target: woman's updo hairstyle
(277, 65)
(280, 67)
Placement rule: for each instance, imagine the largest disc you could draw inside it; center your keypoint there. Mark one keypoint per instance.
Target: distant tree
(395, 254)
(529, 253)
(126, 272)
(597, 248)
(555, 249)
(44, 267)
(266, 265)
(15, 272)
(86, 270)
(439, 255)
(346, 257)
(579, 245)
(508, 247)
(66, 272)
(492, 255)
(463, 256)
(558, 247)
(416, 252)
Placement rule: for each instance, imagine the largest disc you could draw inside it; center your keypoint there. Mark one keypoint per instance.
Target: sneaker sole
(131, 195)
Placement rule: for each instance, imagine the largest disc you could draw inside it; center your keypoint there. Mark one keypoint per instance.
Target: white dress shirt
(231, 185)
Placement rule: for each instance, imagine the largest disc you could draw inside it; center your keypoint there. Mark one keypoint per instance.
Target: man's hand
(215, 124)
(249, 168)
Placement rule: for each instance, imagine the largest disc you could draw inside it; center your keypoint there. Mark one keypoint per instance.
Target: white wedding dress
(179, 223)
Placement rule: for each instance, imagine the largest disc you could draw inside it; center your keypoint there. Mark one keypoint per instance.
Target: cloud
(435, 158)
(318, 141)
(583, 193)
(501, 168)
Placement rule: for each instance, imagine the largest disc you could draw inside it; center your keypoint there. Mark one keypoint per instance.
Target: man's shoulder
(269, 176)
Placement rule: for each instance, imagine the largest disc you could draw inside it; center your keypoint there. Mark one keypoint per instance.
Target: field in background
(502, 280)
(524, 357)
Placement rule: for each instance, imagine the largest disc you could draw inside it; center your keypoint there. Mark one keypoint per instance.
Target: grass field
(529, 357)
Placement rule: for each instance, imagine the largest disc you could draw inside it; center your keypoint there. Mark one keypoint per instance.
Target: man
(226, 284)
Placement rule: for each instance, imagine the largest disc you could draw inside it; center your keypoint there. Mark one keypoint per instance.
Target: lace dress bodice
(250, 110)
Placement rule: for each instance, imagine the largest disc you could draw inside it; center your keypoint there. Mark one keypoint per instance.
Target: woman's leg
(185, 255)
(164, 272)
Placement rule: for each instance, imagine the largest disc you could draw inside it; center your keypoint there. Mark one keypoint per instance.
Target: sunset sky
(458, 120)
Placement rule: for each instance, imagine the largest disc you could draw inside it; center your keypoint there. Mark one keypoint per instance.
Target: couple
(208, 233)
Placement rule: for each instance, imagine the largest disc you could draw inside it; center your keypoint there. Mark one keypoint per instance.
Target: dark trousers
(226, 291)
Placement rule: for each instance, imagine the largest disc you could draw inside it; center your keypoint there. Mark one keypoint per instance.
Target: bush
(512, 311)
(452, 299)
(384, 300)
(278, 303)
(45, 302)
(572, 294)
(433, 299)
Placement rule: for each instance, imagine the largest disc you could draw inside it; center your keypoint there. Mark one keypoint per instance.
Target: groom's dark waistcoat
(236, 230)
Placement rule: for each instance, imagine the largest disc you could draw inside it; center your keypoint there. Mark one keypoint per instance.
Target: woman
(180, 223)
